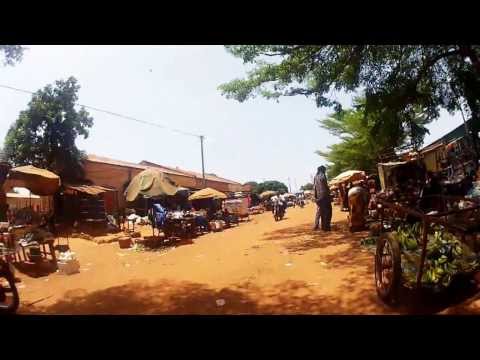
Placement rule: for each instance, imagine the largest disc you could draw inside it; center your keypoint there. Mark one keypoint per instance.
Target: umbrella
(38, 181)
(150, 183)
(183, 191)
(348, 176)
(267, 194)
(207, 193)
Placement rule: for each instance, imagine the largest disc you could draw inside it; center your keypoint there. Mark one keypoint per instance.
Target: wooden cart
(388, 269)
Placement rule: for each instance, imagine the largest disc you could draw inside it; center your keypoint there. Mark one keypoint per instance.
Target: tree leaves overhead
(394, 78)
(44, 134)
(307, 186)
(360, 147)
(12, 54)
(273, 185)
(405, 87)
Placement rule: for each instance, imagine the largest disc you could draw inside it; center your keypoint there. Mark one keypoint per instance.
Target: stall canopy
(385, 170)
(150, 183)
(348, 176)
(207, 193)
(38, 181)
(267, 194)
(88, 189)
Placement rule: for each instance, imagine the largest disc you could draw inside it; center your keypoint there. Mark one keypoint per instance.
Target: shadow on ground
(180, 298)
(347, 254)
(35, 270)
(303, 237)
(167, 297)
(355, 294)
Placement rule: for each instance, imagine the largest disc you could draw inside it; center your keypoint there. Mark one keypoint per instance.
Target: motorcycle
(9, 299)
(301, 203)
(278, 212)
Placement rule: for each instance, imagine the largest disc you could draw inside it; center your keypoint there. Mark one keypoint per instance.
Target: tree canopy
(44, 134)
(11, 54)
(307, 186)
(359, 147)
(273, 185)
(397, 80)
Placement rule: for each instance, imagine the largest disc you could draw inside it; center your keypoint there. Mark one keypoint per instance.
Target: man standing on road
(321, 193)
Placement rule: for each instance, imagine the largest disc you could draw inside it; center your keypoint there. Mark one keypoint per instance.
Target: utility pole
(289, 186)
(203, 164)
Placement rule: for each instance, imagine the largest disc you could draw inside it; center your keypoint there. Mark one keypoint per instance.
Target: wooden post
(424, 252)
(203, 164)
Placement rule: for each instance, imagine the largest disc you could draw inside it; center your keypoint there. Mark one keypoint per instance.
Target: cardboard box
(69, 267)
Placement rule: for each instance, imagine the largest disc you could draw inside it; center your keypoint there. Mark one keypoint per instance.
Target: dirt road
(260, 267)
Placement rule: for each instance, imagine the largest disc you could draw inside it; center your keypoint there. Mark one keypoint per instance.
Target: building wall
(115, 176)
(430, 160)
(112, 176)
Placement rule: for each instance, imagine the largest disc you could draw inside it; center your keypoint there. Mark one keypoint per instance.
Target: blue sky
(176, 86)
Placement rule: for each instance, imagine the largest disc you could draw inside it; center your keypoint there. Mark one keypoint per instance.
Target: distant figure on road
(321, 193)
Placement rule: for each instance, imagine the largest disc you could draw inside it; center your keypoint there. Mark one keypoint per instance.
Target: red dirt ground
(259, 267)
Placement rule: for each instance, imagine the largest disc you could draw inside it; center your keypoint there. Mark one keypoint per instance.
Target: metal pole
(203, 164)
(289, 186)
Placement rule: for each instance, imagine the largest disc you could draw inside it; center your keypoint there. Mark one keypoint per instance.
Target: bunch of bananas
(446, 256)
(407, 236)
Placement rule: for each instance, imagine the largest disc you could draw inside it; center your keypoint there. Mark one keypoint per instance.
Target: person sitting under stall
(158, 216)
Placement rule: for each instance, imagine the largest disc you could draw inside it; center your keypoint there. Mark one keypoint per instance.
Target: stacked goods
(68, 263)
(446, 257)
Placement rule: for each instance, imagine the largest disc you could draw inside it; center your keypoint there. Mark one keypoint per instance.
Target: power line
(201, 137)
(115, 114)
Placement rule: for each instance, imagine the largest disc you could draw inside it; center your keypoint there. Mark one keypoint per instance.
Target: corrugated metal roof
(393, 163)
(456, 133)
(166, 169)
(88, 189)
(432, 147)
(105, 160)
(22, 196)
(210, 177)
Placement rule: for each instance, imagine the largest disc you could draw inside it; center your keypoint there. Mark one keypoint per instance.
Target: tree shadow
(180, 298)
(311, 239)
(188, 298)
(454, 300)
(360, 283)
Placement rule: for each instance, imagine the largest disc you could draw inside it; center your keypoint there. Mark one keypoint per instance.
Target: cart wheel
(388, 270)
(9, 300)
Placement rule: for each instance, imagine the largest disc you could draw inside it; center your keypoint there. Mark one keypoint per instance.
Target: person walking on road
(322, 198)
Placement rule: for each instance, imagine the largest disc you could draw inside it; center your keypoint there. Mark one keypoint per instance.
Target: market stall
(352, 197)
(88, 205)
(238, 208)
(159, 191)
(347, 177)
(218, 214)
(28, 236)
